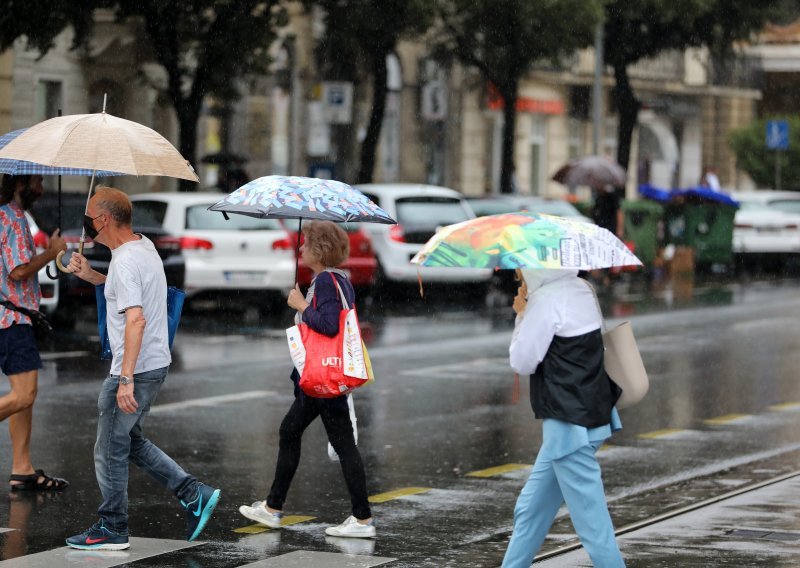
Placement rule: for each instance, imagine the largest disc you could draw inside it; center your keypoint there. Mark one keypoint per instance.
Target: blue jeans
(120, 439)
(574, 478)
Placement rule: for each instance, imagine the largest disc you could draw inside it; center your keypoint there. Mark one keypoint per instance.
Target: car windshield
(199, 218)
(430, 211)
(754, 206)
(786, 205)
(483, 207)
(554, 207)
(45, 213)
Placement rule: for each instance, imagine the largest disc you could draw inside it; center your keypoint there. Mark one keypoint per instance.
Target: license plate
(245, 276)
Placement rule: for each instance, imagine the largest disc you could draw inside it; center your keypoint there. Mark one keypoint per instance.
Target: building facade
(441, 125)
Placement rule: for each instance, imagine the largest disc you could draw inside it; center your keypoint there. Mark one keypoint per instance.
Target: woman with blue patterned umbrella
(326, 246)
(295, 197)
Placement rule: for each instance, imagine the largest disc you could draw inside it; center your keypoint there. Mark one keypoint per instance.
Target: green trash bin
(643, 219)
(707, 227)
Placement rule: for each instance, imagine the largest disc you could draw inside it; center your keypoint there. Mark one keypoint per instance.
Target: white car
(223, 256)
(48, 286)
(786, 201)
(761, 231)
(420, 210)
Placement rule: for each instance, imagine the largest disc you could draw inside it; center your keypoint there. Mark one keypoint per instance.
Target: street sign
(337, 96)
(434, 101)
(777, 135)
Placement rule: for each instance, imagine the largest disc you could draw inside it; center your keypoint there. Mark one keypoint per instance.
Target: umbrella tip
(105, 97)
(226, 216)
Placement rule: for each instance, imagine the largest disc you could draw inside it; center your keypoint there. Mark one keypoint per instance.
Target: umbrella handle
(59, 265)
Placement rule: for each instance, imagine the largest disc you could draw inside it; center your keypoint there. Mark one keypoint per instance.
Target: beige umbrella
(99, 142)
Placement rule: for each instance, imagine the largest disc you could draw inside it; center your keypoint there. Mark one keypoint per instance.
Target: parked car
(764, 233)
(74, 292)
(420, 210)
(361, 265)
(224, 258)
(786, 201)
(48, 286)
(496, 204)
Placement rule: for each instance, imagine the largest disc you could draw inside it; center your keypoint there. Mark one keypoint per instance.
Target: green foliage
(752, 155)
(40, 21)
(359, 33)
(205, 45)
(503, 38)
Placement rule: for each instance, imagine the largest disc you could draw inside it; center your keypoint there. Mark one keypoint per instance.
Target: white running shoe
(351, 528)
(258, 512)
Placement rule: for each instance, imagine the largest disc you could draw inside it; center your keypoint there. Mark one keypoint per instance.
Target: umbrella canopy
(99, 142)
(293, 197)
(525, 240)
(594, 171)
(21, 167)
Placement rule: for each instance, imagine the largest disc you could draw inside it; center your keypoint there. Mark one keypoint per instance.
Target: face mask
(28, 197)
(88, 226)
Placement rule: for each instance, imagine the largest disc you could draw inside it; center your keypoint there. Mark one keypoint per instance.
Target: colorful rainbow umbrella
(525, 240)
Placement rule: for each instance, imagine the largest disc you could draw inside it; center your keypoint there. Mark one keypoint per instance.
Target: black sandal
(37, 481)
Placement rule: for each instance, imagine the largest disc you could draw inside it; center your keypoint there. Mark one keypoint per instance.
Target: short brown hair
(115, 202)
(327, 241)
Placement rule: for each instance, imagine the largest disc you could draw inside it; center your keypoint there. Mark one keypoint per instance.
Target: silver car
(420, 210)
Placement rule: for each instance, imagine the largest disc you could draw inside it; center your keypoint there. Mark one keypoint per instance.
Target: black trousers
(336, 419)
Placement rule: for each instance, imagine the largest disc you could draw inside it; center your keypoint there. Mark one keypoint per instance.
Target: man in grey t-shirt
(136, 298)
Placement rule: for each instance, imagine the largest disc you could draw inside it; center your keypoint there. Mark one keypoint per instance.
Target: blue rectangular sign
(777, 135)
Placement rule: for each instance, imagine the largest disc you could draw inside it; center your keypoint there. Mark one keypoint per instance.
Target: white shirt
(136, 279)
(559, 304)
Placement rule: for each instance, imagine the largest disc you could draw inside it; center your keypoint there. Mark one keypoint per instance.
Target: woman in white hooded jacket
(557, 340)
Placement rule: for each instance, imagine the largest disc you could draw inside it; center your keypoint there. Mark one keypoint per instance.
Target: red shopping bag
(323, 374)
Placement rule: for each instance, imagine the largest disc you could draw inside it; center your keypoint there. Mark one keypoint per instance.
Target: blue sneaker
(99, 537)
(199, 510)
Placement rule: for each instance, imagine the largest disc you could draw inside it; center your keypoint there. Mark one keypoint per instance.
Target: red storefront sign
(525, 104)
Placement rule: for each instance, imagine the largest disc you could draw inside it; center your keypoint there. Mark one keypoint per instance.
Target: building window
(538, 152)
(575, 138)
(610, 138)
(48, 99)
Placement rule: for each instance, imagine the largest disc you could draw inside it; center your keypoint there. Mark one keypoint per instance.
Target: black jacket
(571, 384)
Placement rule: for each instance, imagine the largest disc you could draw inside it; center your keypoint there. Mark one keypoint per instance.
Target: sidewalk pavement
(759, 528)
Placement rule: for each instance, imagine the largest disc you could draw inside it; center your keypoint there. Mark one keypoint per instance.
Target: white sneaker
(258, 512)
(351, 528)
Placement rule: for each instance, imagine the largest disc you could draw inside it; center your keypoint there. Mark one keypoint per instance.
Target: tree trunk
(509, 94)
(369, 146)
(628, 108)
(188, 116)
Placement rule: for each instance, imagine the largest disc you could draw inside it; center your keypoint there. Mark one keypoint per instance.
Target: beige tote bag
(624, 365)
(622, 360)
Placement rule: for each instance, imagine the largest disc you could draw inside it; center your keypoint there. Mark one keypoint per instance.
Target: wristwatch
(123, 380)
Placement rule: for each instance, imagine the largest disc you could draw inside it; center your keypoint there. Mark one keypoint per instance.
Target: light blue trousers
(574, 478)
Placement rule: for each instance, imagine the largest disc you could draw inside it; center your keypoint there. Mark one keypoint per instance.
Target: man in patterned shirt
(19, 354)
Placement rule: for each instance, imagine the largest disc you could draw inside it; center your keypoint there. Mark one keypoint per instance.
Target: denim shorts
(18, 350)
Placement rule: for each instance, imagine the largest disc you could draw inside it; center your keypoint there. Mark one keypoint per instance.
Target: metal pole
(597, 95)
(297, 248)
(777, 169)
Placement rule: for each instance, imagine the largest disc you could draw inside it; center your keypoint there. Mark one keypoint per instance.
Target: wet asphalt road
(721, 359)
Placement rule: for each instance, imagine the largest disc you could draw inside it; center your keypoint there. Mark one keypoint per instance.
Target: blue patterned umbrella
(294, 197)
(22, 168)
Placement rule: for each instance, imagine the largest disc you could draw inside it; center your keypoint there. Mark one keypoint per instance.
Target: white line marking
(211, 400)
(63, 355)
